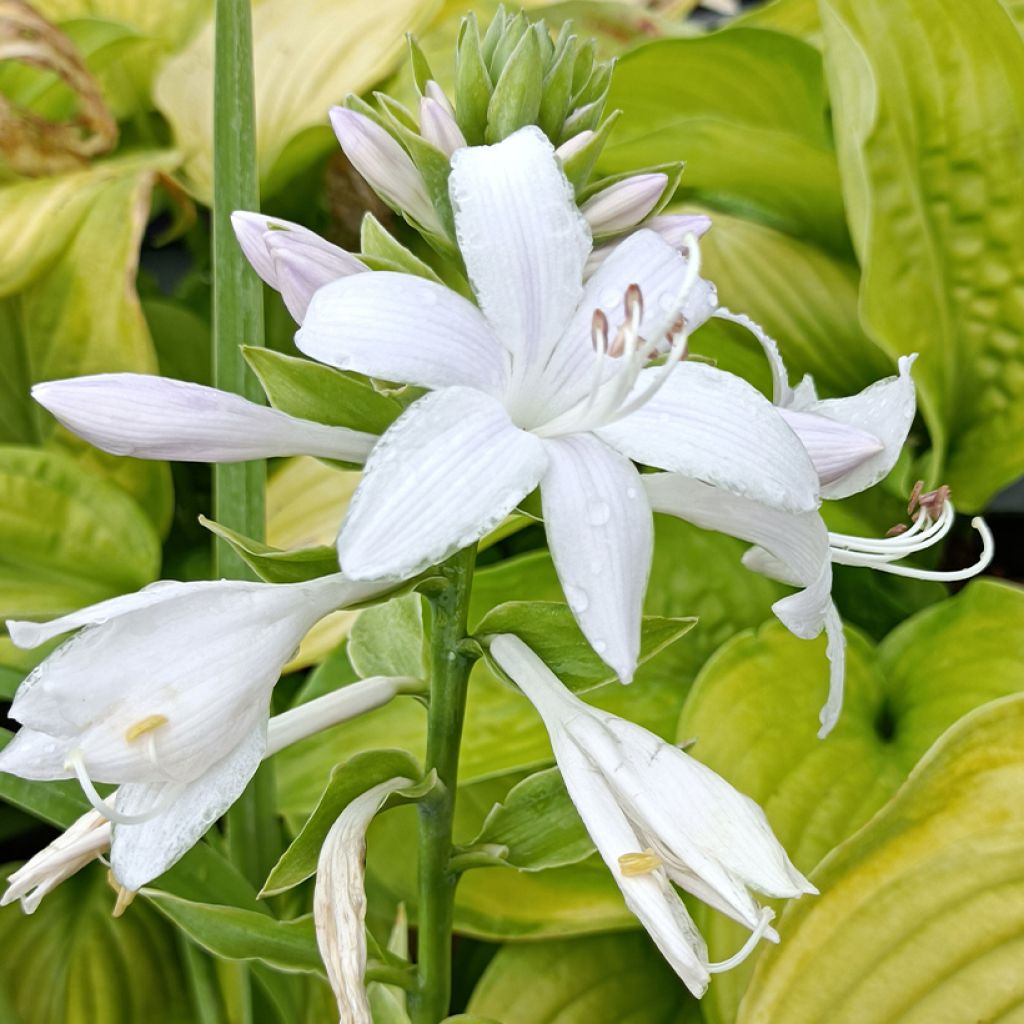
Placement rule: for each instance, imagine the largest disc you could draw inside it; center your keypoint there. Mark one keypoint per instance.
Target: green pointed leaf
(237, 934)
(754, 715)
(928, 99)
(920, 911)
(472, 83)
(316, 392)
(604, 979)
(347, 781)
(376, 242)
(538, 825)
(756, 142)
(557, 91)
(272, 565)
(67, 537)
(420, 65)
(69, 962)
(551, 630)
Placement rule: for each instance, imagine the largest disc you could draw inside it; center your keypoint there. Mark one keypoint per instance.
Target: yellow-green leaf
(928, 98)
(921, 913)
(308, 55)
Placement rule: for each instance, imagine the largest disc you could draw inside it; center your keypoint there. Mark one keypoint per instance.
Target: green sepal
(421, 72)
(347, 781)
(585, 118)
(320, 393)
(674, 170)
(473, 86)
(379, 246)
(584, 66)
(596, 86)
(550, 629)
(397, 113)
(512, 36)
(546, 48)
(557, 91)
(580, 166)
(432, 164)
(273, 565)
(537, 825)
(515, 101)
(494, 33)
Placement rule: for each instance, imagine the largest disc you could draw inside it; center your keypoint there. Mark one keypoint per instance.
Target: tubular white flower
(90, 836)
(387, 168)
(438, 126)
(568, 149)
(129, 700)
(543, 361)
(158, 418)
(624, 204)
(290, 258)
(659, 817)
(339, 901)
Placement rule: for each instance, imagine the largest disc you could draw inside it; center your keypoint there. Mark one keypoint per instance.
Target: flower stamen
(147, 724)
(635, 864)
(76, 762)
(763, 923)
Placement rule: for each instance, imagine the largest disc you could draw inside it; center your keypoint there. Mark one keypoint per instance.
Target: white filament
(170, 793)
(765, 919)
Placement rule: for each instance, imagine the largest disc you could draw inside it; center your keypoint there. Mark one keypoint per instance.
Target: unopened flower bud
(624, 204)
(438, 127)
(568, 149)
(387, 168)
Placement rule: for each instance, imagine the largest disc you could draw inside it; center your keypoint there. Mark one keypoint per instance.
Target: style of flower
(166, 693)
(853, 442)
(548, 382)
(659, 817)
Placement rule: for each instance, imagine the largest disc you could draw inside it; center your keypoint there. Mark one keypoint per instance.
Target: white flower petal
(713, 426)
(339, 901)
(405, 329)
(159, 418)
(36, 755)
(836, 449)
(792, 548)
(885, 411)
(439, 127)
(674, 227)
(658, 270)
(447, 471)
(139, 853)
(782, 394)
(600, 532)
(523, 240)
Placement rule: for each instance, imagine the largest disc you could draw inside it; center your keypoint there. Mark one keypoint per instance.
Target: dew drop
(631, 492)
(599, 646)
(577, 598)
(600, 513)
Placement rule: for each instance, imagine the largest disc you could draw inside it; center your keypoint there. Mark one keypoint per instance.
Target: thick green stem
(448, 685)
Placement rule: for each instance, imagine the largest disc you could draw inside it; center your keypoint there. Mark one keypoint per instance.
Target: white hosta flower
(674, 228)
(439, 127)
(159, 418)
(624, 204)
(339, 901)
(548, 382)
(853, 443)
(90, 836)
(290, 258)
(166, 693)
(659, 817)
(387, 168)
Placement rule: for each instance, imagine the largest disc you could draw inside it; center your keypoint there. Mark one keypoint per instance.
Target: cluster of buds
(514, 74)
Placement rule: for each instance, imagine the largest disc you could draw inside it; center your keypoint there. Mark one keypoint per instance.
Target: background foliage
(863, 161)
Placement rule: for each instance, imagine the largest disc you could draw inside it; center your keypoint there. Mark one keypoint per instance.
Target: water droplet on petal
(577, 598)
(630, 492)
(599, 646)
(600, 513)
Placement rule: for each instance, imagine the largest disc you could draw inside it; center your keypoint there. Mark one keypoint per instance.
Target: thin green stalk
(238, 489)
(448, 685)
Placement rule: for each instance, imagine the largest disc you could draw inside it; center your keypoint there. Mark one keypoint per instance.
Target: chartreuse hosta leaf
(67, 537)
(929, 110)
(601, 979)
(755, 142)
(68, 304)
(796, 17)
(308, 55)
(921, 912)
(72, 963)
(752, 713)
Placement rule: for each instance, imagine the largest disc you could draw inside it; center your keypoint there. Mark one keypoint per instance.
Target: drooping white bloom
(290, 258)
(624, 204)
(659, 817)
(339, 901)
(152, 417)
(547, 382)
(90, 836)
(166, 693)
(853, 442)
(387, 168)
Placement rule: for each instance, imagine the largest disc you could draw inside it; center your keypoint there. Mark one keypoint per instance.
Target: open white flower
(659, 817)
(548, 382)
(166, 693)
(853, 442)
(90, 836)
